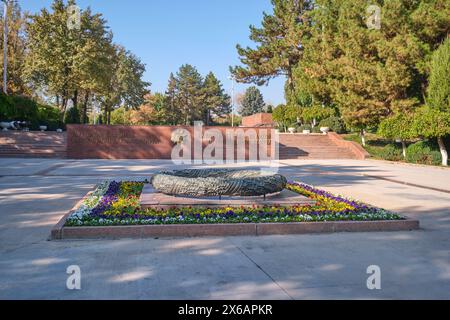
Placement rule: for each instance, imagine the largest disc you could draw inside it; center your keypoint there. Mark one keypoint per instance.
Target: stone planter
(306, 131)
(324, 130)
(291, 130)
(5, 126)
(42, 128)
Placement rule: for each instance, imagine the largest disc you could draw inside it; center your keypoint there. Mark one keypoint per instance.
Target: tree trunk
(105, 116)
(443, 151)
(75, 99)
(404, 149)
(109, 117)
(363, 137)
(86, 99)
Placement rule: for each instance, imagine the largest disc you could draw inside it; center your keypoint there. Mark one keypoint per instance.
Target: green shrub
(391, 152)
(6, 108)
(25, 109)
(335, 124)
(50, 117)
(304, 127)
(423, 152)
(72, 116)
(316, 129)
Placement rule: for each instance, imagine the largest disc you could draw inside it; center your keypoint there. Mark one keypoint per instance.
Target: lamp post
(5, 45)
(232, 100)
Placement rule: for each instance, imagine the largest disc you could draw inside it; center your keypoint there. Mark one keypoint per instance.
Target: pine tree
(252, 103)
(216, 102)
(279, 44)
(189, 100)
(368, 74)
(171, 101)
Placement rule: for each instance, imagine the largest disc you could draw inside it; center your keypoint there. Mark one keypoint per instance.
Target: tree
(370, 74)
(399, 126)
(81, 64)
(16, 50)
(314, 114)
(435, 122)
(171, 101)
(253, 102)
(125, 86)
(121, 116)
(279, 42)
(286, 116)
(189, 101)
(72, 116)
(144, 115)
(216, 102)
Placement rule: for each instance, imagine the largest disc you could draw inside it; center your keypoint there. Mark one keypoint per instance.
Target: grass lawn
(378, 147)
(117, 203)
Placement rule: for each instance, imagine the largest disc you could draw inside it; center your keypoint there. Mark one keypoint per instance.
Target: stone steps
(16, 144)
(300, 146)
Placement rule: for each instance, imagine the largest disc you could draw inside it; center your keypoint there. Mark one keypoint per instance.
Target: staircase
(17, 144)
(315, 146)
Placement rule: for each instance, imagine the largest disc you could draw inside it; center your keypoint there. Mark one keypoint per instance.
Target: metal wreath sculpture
(218, 182)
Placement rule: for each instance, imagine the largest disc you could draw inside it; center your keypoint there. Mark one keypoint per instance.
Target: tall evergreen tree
(189, 94)
(252, 103)
(279, 44)
(171, 101)
(369, 74)
(216, 102)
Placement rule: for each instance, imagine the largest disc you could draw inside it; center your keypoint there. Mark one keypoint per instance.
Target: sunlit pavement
(35, 194)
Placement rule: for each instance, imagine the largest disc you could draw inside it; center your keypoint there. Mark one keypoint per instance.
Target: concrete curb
(243, 229)
(60, 232)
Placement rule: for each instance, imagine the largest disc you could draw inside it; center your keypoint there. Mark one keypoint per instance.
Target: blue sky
(167, 34)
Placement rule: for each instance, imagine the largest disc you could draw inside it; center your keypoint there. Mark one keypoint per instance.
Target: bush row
(19, 108)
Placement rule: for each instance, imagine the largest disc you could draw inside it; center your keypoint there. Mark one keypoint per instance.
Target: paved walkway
(35, 194)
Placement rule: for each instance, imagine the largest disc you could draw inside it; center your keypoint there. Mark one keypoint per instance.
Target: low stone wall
(258, 120)
(154, 142)
(359, 152)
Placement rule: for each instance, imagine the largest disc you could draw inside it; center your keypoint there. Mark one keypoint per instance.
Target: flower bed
(116, 203)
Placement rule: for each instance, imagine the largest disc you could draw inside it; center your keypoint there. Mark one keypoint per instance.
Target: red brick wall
(135, 142)
(259, 119)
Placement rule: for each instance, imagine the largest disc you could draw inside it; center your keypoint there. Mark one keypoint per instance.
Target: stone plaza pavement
(36, 193)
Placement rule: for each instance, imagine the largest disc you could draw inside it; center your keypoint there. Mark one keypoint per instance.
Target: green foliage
(120, 116)
(72, 116)
(305, 127)
(439, 87)
(252, 103)
(335, 124)
(431, 123)
(315, 112)
(398, 126)
(370, 74)
(423, 152)
(279, 44)
(49, 116)
(216, 101)
(7, 111)
(25, 108)
(285, 116)
(391, 152)
(16, 49)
